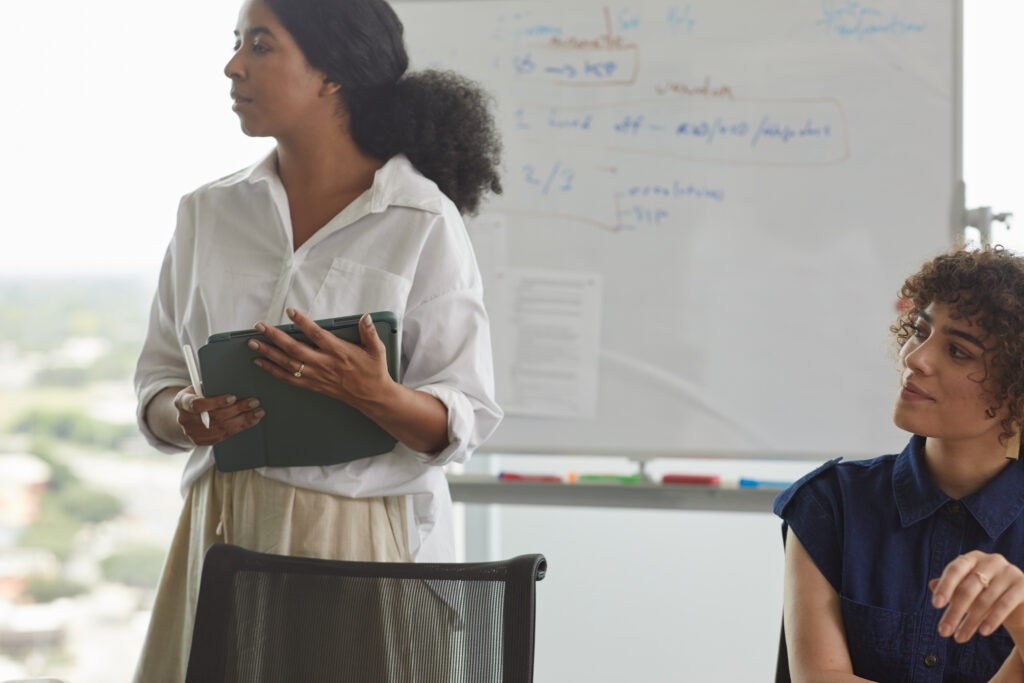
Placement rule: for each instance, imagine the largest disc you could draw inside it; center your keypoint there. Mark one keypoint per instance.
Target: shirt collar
(995, 506)
(396, 183)
(265, 169)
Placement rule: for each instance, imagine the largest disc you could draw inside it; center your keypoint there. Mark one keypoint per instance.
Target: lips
(239, 99)
(914, 392)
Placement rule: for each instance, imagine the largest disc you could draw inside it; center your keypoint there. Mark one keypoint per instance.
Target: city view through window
(86, 506)
(123, 109)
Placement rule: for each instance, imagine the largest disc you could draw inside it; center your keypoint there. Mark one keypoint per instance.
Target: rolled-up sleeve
(449, 343)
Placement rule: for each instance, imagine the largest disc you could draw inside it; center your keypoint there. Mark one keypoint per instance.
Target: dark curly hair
(986, 286)
(441, 121)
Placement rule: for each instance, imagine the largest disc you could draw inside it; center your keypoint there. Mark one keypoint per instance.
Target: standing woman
(356, 209)
(908, 567)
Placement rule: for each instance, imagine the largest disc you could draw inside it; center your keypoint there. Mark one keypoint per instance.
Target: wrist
(382, 401)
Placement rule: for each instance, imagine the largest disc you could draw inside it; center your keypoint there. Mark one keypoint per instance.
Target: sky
(123, 107)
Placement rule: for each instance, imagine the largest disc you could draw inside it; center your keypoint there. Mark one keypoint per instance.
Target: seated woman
(907, 567)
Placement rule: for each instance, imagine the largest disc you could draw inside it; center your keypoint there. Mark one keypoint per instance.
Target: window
(113, 110)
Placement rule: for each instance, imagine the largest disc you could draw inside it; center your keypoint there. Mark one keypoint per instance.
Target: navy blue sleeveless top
(878, 530)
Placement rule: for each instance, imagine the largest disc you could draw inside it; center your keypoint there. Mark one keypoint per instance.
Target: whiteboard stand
(981, 218)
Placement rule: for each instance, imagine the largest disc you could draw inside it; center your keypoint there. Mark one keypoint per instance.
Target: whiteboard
(709, 208)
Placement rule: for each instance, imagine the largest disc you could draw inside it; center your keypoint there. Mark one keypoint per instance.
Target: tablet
(302, 427)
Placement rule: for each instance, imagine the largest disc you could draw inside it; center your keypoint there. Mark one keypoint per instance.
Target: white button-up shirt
(401, 246)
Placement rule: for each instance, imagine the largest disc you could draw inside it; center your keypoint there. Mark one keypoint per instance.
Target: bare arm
(415, 418)
(357, 375)
(815, 637)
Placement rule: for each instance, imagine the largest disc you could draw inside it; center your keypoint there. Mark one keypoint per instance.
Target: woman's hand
(357, 375)
(980, 593)
(228, 416)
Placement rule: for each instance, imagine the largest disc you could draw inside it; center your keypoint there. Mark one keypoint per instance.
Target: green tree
(134, 565)
(54, 529)
(48, 589)
(74, 425)
(89, 505)
(61, 475)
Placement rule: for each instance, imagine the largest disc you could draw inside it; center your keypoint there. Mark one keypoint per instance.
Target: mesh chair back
(269, 618)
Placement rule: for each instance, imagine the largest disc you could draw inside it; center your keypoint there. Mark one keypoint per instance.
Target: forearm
(415, 418)
(162, 418)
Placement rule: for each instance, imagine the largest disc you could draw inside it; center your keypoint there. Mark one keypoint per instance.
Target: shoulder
(415, 203)
(398, 184)
(837, 479)
(232, 183)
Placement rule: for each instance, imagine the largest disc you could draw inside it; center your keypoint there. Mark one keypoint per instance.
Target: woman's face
(943, 392)
(273, 87)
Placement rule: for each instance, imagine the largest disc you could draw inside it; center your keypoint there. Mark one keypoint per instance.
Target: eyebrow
(256, 30)
(966, 336)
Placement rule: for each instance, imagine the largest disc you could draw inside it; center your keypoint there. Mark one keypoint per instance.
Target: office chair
(265, 618)
(782, 674)
(782, 662)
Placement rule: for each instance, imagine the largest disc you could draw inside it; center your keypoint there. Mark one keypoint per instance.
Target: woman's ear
(329, 87)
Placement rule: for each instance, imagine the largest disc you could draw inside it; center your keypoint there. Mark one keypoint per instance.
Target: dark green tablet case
(301, 427)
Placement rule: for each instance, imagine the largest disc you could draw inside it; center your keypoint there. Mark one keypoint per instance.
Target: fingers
(284, 369)
(318, 336)
(952, 576)
(187, 401)
(979, 591)
(288, 362)
(280, 342)
(368, 336)
(291, 356)
(228, 416)
(350, 372)
(1000, 609)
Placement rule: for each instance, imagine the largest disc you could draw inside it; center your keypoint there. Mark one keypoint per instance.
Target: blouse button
(954, 508)
(931, 659)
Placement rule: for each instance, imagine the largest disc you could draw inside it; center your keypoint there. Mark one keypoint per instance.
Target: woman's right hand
(228, 416)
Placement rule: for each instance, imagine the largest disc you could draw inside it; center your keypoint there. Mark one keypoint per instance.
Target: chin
(907, 423)
(252, 132)
(252, 129)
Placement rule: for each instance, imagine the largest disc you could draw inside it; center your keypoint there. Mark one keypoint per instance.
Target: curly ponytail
(440, 120)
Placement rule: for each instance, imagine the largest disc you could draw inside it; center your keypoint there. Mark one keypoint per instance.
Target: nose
(920, 358)
(233, 69)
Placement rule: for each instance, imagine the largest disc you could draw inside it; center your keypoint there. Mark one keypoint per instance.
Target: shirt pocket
(880, 640)
(350, 288)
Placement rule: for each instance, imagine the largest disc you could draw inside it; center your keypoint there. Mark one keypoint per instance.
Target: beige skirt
(249, 510)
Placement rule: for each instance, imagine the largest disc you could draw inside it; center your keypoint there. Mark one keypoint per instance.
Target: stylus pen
(193, 375)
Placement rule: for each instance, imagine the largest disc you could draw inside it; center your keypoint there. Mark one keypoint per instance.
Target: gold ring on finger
(298, 373)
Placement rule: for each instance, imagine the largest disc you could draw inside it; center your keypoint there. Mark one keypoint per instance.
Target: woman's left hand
(983, 592)
(349, 372)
